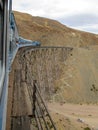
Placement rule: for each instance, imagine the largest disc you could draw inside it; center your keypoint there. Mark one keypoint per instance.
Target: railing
(39, 109)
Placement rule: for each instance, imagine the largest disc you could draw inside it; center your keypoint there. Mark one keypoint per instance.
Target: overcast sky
(80, 14)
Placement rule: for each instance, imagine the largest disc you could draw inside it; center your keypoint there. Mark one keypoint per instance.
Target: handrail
(44, 105)
(40, 111)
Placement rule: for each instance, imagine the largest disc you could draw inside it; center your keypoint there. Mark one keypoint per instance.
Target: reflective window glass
(1, 37)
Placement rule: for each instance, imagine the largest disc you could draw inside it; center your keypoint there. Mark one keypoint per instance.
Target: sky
(78, 14)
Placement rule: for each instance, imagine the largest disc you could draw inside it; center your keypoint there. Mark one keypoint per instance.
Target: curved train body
(8, 50)
(4, 45)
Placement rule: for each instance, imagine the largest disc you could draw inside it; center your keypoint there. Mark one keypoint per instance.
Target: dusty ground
(81, 115)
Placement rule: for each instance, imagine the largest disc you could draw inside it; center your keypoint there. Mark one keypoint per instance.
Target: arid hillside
(67, 75)
(50, 32)
(73, 72)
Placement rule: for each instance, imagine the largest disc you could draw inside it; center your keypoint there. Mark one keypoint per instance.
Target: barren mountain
(50, 32)
(77, 80)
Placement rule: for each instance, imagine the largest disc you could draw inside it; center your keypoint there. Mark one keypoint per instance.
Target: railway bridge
(27, 76)
(33, 73)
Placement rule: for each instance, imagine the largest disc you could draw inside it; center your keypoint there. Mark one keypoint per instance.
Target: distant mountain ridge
(51, 32)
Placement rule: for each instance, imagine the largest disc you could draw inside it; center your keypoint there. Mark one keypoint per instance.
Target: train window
(1, 37)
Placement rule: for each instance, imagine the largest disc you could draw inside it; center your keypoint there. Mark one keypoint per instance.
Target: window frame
(2, 43)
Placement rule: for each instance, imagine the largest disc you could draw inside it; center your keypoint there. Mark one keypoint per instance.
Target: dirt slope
(50, 32)
(75, 116)
(79, 82)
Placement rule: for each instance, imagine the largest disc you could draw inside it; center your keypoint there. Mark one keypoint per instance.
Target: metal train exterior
(4, 43)
(8, 49)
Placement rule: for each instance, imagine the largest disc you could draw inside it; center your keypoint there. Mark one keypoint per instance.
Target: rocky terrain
(66, 75)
